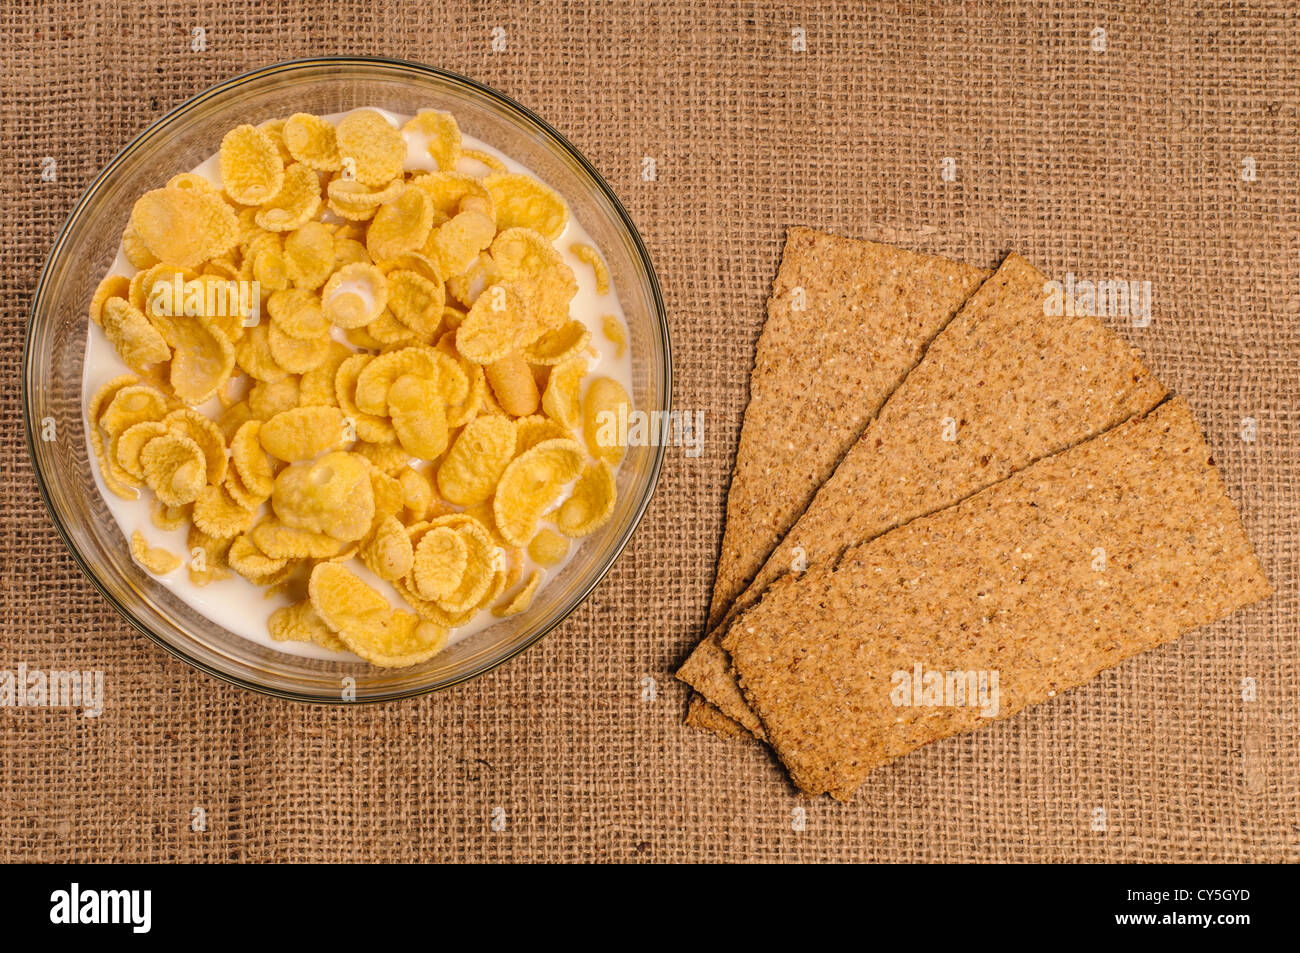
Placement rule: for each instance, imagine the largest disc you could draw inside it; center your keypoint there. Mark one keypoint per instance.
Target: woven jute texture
(1129, 162)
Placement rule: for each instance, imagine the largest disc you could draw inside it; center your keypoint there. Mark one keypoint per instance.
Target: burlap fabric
(1125, 162)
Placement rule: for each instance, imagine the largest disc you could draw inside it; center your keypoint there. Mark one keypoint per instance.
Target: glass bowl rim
(519, 113)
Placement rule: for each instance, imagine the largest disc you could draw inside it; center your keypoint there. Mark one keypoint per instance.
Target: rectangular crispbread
(1065, 569)
(846, 321)
(702, 716)
(1003, 385)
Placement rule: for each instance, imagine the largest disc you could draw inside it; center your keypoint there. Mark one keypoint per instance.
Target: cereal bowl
(56, 353)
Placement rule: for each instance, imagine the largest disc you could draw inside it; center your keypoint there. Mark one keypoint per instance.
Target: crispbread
(1007, 581)
(1006, 382)
(702, 716)
(827, 359)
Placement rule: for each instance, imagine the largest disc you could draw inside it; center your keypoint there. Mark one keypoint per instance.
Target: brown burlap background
(1123, 163)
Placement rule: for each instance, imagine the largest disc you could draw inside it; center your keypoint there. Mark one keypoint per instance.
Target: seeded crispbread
(847, 319)
(1065, 569)
(1003, 385)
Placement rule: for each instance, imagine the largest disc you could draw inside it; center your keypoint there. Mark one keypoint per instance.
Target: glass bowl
(85, 248)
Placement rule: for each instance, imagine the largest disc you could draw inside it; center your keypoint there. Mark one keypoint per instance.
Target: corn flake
(312, 141)
(355, 295)
(548, 548)
(523, 598)
(530, 484)
(388, 458)
(301, 623)
(203, 431)
(297, 355)
(476, 460)
(605, 412)
(443, 135)
(561, 398)
(333, 494)
(440, 563)
(370, 427)
(375, 379)
(400, 226)
(174, 468)
(111, 286)
(559, 345)
(523, 202)
(220, 515)
(405, 640)
(317, 385)
(353, 201)
(184, 227)
(513, 385)
(254, 357)
(202, 360)
(302, 433)
(455, 245)
(418, 415)
(591, 504)
(533, 429)
(273, 129)
(127, 404)
(268, 398)
(309, 255)
(416, 301)
(168, 517)
(388, 553)
(480, 567)
(417, 492)
(252, 171)
(288, 542)
(138, 342)
(157, 561)
(585, 253)
(484, 158)
(294, 205)
(128, 444)
(375, 147)
(245, 558)
(501, 322)
(249, 460)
